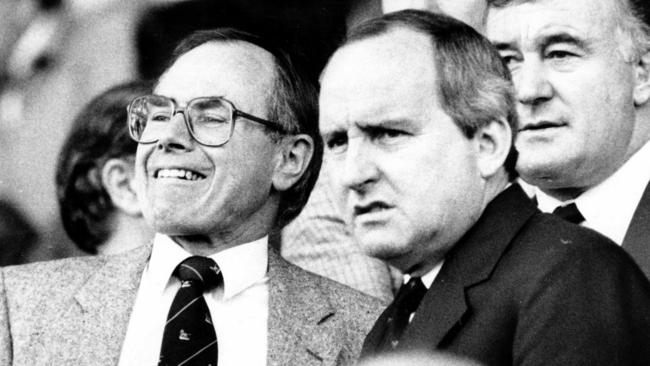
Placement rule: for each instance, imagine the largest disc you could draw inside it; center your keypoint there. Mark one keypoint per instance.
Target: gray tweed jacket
(75, 312)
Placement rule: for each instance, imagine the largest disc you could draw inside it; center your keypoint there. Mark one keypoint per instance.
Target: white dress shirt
(609, 207)
(426, 279)
(239, 310)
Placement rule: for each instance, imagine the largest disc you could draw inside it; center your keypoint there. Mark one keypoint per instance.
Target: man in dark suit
(581, 71)
(228, 149)
(418, 118)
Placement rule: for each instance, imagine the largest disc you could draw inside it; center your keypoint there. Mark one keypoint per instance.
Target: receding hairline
(251, 47)
(268, 58)
(390, 30)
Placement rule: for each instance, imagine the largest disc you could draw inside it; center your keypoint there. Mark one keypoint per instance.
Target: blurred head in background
(94, 176)
(472, 12)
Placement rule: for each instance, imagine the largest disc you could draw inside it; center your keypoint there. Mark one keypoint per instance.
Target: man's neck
(128, 232)
(205, 245)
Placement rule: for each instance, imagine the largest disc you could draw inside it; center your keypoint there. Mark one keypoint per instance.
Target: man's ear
(494, 143)
(117, 177)
(296, 153)
(642, 88)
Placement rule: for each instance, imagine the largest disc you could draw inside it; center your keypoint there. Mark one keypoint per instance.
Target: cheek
(140, 177)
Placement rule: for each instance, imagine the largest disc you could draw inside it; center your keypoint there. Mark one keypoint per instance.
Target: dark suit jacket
(637, 237)
(75, 312)
(526, 288)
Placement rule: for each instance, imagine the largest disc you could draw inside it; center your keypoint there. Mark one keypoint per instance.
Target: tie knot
(410, 295)
(569, 213)
(199, 270)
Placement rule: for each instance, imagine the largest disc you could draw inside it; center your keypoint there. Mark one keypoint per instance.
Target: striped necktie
(189, 337)
(406, 302)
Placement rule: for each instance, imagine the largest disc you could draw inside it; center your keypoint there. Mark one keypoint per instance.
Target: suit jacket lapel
(470, 262)
(299, 330)
(95, 323)
(637, 237)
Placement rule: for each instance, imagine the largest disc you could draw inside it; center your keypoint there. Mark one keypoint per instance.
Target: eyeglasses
(209, 120)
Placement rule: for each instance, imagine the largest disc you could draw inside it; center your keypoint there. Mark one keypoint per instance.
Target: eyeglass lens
(209, 119)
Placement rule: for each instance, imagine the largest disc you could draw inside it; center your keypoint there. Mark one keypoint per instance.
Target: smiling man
(228, 149)
(581, 70)
(418, 120)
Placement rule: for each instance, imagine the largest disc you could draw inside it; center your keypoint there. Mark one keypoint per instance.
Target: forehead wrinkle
(547, 17)
(378, 64)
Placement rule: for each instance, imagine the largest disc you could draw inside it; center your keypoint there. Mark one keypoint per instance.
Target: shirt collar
(609, 206)
(241, 266)
(429, 277)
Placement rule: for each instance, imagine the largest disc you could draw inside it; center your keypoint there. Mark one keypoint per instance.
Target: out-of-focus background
(55, 55)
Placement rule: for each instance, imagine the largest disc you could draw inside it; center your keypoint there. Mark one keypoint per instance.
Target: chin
(543, 173)
(382, 247)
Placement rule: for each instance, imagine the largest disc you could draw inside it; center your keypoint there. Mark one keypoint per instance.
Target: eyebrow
(546, 41)
(561, 38)
(396, 122)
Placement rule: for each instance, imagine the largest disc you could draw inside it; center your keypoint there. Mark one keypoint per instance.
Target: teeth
(177, 173)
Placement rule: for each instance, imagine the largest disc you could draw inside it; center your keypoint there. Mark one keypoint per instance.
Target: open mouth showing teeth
(178, 174)
(373, 207)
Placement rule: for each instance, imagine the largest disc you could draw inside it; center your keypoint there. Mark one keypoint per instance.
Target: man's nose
(175, 135)
(531, 83)
(360, 169)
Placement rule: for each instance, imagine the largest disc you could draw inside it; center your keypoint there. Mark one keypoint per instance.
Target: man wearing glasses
(228, 150)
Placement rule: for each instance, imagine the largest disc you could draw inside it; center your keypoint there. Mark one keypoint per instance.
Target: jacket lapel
(637, 237)
(299, 330)
(93, 328)
(470, 262)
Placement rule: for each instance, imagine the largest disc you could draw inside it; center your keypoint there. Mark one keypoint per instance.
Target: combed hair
(292, 104)
(474, 85)
(632, 19)
(99, 133)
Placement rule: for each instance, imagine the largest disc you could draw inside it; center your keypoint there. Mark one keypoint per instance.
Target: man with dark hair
(418, 118)
(581, 70)
(94, 176)
(228, 149)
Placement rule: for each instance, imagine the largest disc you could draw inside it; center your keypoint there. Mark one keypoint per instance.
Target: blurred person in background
(94, 176)
(472, 12)
(581, 70)
(17, 234)
(61, 53)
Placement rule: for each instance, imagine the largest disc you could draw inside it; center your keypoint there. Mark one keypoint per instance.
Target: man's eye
(386, 134)
(159, 117)
(337, 142)
(559, 54)
(208, 119)
(509, 58)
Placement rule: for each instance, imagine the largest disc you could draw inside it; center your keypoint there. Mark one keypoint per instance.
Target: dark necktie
(189, 337)
(406, 301)
(569, 213)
